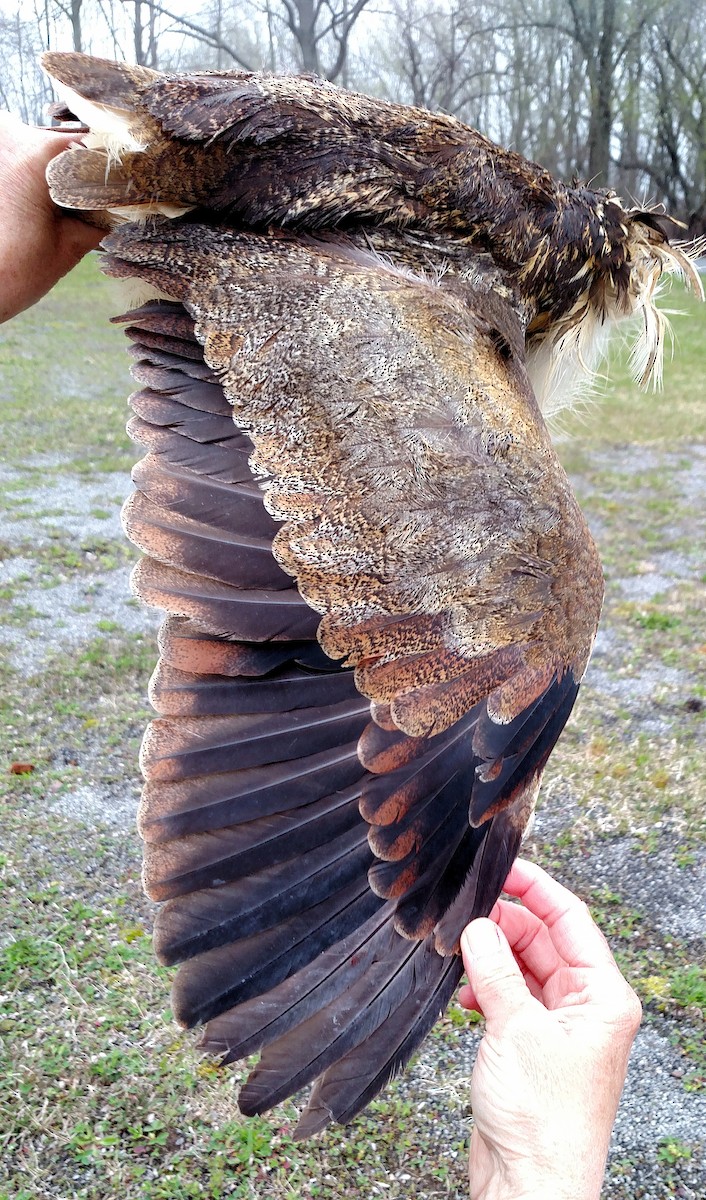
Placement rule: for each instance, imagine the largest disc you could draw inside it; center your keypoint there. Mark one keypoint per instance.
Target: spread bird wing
(381, 598)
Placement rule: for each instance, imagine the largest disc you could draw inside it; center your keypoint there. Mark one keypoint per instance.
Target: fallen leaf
(21, 768)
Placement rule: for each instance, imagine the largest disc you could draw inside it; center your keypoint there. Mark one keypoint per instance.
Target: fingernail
(481, 938)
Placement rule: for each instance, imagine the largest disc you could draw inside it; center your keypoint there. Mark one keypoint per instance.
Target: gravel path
(59, 607)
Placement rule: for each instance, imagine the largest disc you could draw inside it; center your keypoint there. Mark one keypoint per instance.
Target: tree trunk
(145, 56)
(76, 32)
(304, 29)
(601, 71)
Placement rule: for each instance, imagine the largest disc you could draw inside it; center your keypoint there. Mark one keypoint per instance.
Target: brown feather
(380, 593)
(238, 739)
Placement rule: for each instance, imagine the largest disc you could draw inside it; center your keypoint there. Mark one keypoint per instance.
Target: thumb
(493, 974)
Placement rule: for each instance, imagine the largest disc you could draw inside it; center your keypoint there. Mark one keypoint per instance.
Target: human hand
(38, 242)
(560, 1022)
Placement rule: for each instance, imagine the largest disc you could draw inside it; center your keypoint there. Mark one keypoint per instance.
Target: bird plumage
(382, 595)
(300, 153)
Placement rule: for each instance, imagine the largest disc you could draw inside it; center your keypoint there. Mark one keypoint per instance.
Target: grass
(621, 412)
(58, 557)
(100, 1094)
(65, 379)
(672, 1151)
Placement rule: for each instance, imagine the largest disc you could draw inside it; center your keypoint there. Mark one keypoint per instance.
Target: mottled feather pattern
(302, 153)
(380, 593)
(253, 822)
(322, 430)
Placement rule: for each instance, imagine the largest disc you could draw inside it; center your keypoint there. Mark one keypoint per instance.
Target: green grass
(621, 412)
(671, 1151)
(58, 557)
(65, 378)
(100, 1094)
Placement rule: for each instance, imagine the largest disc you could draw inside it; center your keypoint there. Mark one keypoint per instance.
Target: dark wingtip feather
(351, 1083)
(527, 748)
(491, 866)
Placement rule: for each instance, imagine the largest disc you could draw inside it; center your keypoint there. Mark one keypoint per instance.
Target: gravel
(58, 608)
(114, 806)
(68, 503)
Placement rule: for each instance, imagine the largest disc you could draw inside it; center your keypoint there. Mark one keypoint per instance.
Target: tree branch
(204, 35)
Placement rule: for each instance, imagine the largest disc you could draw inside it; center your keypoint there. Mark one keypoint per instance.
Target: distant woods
(612, 91)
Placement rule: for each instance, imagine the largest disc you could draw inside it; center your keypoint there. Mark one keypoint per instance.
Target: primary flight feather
(353, 320)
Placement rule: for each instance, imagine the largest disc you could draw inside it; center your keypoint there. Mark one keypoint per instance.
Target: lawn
(100, 1095)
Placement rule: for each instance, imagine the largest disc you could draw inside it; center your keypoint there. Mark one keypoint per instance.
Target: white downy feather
(563, 363)
(109, 130)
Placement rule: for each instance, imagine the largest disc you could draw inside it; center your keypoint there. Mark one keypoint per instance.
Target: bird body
(300, 153)
(381, 593)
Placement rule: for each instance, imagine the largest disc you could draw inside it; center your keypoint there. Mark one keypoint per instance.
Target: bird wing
(295, 151)
(303, 154)
(382, 596)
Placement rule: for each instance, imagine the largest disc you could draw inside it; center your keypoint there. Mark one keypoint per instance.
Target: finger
(531, 945)
(35, 142)
(535, 987)
(530, 940)
(494, 977)
(467, 997)
(55, 141)
(79, 236)
(573, 931)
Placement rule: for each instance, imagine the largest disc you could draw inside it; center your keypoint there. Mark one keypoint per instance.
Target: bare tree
(321, 30)
(23, 87)
(144, 30)
(213, 38)
(72, 10)
(668, 148)
(445, 57)
(606, 33)
(312, 36)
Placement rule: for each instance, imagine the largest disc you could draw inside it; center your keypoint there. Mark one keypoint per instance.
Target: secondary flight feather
(381, 595)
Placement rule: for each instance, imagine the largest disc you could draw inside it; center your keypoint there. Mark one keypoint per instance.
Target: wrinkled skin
(38, 242)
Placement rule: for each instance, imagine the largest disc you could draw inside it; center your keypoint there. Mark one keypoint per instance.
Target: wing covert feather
(394, 461)
(426, 515)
